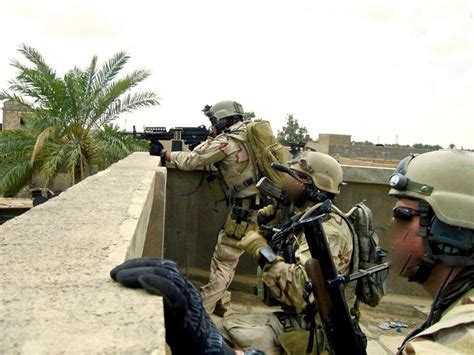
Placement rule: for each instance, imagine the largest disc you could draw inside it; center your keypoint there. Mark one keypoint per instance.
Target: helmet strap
(314, 194)
(426, 265)
(435, 234)
(225, 123)
(221, 125)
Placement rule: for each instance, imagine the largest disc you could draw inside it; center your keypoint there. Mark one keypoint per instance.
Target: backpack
(266, 150)
(370, 289)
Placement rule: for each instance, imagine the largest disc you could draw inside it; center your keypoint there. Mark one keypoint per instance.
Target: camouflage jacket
(229, 154)
(452, 334)
(287, 281)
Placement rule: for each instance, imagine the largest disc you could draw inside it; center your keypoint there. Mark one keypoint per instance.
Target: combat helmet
(443, 182)
(222, 110)
(444, 179)
(324, 171)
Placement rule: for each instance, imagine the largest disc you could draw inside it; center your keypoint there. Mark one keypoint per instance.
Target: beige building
(12, 116)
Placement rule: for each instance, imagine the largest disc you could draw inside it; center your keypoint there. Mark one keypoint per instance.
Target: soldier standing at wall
(226, 149)
(433, 244)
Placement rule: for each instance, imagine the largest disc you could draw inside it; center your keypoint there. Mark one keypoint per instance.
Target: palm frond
(37, 59)
(14, 174)
(130, 103)
(15, 144)
(109, 70)
(40, 142)
(113, 145)
(111, 97)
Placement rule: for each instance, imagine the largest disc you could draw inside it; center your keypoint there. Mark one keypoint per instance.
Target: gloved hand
(156, 148)
(265, 214)
(189, 329)
(251, 243)
(269, 216)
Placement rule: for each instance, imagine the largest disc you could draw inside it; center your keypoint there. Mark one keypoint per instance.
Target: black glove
(189, 329)
(156, 148)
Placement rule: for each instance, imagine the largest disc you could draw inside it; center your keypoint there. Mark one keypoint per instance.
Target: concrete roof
(56, 293)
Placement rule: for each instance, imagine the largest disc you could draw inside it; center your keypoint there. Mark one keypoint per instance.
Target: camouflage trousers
(224, 261)
(266, 332)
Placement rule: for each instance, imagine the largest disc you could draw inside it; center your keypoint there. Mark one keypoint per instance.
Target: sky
(380, 70)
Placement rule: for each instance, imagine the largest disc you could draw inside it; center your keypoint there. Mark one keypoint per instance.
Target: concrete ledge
(366, 174)
(56, 292)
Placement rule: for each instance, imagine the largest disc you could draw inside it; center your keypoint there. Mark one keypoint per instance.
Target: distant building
(341, 146)
(12, 116)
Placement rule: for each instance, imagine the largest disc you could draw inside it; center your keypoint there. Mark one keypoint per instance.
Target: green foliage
(427, 146)
(292, 132)
(363, 143)
(249, 115)
(69, 126)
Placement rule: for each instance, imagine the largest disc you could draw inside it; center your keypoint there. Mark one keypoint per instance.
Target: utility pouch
(241, 229)
(229, 227)
(236, 226)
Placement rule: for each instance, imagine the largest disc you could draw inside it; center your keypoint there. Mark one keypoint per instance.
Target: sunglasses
(404, 213)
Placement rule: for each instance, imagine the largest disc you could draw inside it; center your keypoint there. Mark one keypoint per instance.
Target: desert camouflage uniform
(287, 282)
(452, 334)
(231, 157)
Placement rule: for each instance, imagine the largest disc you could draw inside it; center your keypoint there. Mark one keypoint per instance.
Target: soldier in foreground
(226, 149)
(433, 244)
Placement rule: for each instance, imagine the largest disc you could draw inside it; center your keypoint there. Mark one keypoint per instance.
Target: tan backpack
(266, 150)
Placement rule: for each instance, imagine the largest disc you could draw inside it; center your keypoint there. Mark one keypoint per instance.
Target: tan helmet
(444, 179)
(224, 109)
(323, 169)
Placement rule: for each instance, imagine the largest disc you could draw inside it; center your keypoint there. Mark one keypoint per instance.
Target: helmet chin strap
(438, 241)
(426, 265)
(314, 194)
(225, 123)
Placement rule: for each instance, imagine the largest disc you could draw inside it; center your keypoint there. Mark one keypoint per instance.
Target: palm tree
(69, 126)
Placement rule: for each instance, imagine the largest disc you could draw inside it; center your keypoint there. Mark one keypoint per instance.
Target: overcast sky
(379, 70)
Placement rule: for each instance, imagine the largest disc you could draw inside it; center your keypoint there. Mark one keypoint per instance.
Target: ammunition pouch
(285, 320)
(237, 224)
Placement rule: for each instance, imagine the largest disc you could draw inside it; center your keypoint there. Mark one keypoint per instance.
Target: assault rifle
(345, 337)
(192, 136)
(279, 237)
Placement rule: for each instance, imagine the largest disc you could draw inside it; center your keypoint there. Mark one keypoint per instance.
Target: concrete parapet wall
(56, 292)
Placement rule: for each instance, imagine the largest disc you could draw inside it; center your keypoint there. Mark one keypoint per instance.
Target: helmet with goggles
(444, 179)
(443, 182)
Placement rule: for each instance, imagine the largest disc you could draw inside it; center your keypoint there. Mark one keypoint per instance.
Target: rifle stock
(337, 322)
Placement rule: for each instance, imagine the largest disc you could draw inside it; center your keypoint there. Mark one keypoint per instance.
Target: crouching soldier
(313, 178)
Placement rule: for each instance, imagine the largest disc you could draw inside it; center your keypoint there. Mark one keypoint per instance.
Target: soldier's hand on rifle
(156, 148)
(268, 216)
(265, 214)
(251, 243)
(189, 330)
